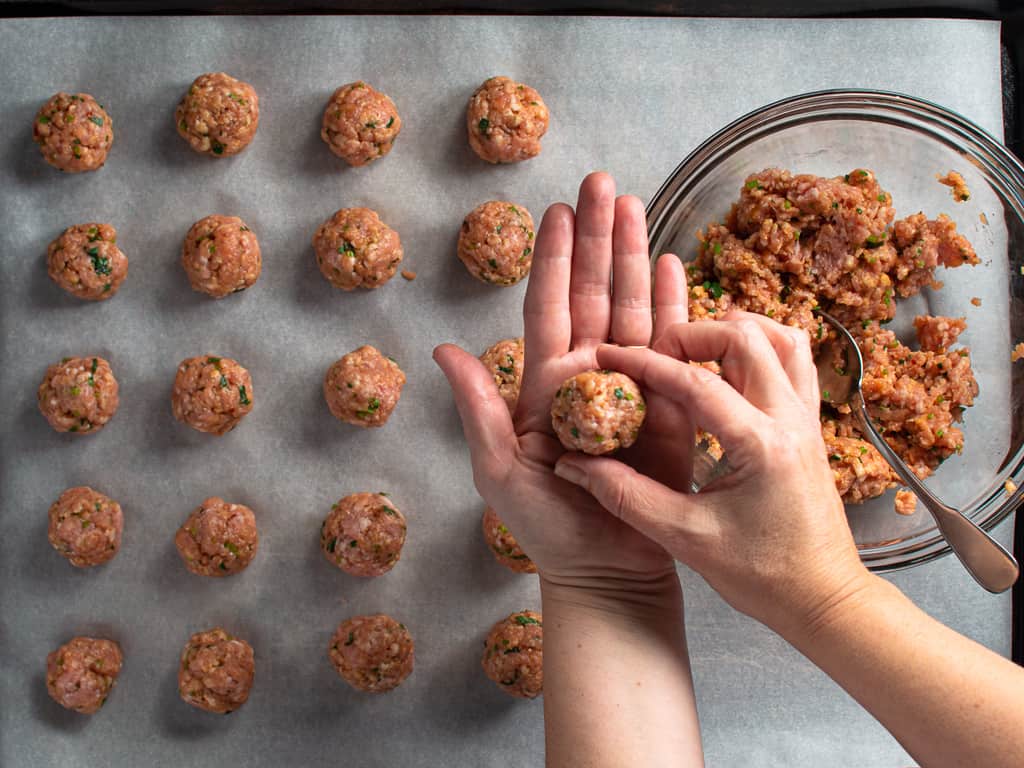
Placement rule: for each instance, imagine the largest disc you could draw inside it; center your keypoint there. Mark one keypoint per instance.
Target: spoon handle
(985, 559)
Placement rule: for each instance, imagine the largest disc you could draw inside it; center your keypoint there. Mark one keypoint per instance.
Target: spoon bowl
(840, 374)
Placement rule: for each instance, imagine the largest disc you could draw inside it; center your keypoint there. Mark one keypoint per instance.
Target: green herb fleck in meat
(574, 432)
(483, 125)
(97, 120)
(714, 288)
(391, 121)
(753, 184)
(223, 381)
(243, 398)
(619, 394)
(351, 638)
(44, 120)
(522, 621)
(218, 148)
(230, 547)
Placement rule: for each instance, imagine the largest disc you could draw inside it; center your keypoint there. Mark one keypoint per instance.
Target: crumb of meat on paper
(983, 218)
(906, 502)
(976, 301)
(408, 274)
(1017, 353)
(957, 186)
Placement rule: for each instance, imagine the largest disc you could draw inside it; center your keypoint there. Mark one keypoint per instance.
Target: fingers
(671, 302)
(631, 287)
(590, 285)
(642, 503)
(793, 346)
(485, 418)
(748, 360)
(705, 397)
(546, 307)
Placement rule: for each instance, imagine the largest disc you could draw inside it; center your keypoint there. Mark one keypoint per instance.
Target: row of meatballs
(596, 412)
(219, 114)
(354, 249)
(373, 653)
(363, 534)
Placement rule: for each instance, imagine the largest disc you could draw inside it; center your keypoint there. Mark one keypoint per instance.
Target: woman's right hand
(771, 536)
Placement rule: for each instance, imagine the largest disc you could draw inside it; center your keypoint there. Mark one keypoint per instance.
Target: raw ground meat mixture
(503, 544)
(514, 654)
(363, 387)
(792, 243)
(78, 395)
(81, 673)
(218, 116)
(372, 653)
(73, 132)
(216, 671)
(218, 538)
(505, 121)
(85, 526)
(221, 256)
(211, 394)
(86, 262)
(504, 360)
(598, 412)
(496, 242)
(363, 534)
(360, 124)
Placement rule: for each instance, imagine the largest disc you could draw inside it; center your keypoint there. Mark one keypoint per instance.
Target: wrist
(657, 596)
(839, 604)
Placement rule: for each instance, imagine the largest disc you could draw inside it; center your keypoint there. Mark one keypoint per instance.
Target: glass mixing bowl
(907, 142)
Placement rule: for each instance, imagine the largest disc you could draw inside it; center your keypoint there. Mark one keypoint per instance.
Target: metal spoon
(984, 558)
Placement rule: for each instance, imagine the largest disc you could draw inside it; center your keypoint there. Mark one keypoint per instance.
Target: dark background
(1010, 12)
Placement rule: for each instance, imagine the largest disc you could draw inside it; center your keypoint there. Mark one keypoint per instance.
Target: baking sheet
(630, 96)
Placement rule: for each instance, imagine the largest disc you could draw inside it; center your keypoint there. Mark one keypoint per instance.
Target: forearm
(617, 685)
(948, 700)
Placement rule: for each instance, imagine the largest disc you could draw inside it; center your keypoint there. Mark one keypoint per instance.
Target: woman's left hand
(571, 307)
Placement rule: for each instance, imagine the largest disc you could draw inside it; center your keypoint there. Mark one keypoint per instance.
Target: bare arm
(618, 689)
(773, 540)
(948, 700)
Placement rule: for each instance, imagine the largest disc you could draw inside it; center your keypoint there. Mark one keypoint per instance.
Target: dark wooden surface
(1010, 12)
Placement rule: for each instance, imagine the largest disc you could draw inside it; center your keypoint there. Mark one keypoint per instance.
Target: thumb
(655, 510)
(486, 422)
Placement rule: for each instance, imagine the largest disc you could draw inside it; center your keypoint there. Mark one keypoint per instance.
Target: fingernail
(570, 472)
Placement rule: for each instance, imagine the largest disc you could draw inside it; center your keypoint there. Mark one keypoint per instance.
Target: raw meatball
(218, 538)
(355, 249)
(505, 121)
(78, 394)
(505, 362)
(85, 526)
(514, 654)
(503, 544)
(216, 671)
(363, 387)
(372, 653)
(360, 124)
(363, 534)
(211, 394)
(598, 412)
(496, 242)
(73, 132)
(81, 673)
(219, 115)
(221, 256)
(85, 261)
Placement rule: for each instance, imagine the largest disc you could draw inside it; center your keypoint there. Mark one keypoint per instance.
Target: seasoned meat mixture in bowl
(810, 202)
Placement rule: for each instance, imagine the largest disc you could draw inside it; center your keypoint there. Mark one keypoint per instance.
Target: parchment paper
(629, 96)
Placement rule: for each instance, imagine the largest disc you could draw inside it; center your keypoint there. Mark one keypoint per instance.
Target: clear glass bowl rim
(1001, 168)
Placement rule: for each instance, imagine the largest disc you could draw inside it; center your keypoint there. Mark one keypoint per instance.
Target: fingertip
(628, 204)
(598, 186)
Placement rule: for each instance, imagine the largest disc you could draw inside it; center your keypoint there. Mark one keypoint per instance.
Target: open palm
(571, 307)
